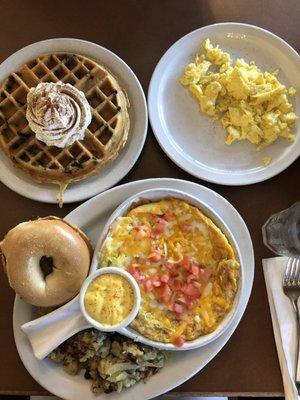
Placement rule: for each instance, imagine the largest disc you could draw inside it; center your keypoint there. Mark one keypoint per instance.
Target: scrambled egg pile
(252, 105)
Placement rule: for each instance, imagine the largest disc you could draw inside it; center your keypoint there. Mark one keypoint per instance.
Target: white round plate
(91, 217)
(195, 142)
(21, 183)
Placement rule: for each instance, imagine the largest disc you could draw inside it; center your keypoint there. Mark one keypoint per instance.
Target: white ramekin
(136, 292)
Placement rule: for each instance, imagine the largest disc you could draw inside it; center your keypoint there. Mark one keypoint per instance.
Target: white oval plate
(91, 217)
(195, 142)
(155, 194)
(21, 183)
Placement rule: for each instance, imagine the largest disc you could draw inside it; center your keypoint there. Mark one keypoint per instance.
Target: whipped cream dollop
(57, 113)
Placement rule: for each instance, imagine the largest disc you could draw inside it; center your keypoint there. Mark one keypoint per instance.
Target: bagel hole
(46, 265)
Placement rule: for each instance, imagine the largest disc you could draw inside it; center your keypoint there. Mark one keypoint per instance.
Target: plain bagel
(46, 260)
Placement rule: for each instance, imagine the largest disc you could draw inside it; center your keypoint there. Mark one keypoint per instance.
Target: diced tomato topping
(195, 270)
(179, 341)
(155, 234)
(139, 278)
(171, 281)
(168, 265)
(179, 308)
(142, 260)
(177, 284)
(191, 291)
(156, 283)
(161, 221)
(130, 268)
(154, 257)
(136, 273)
(166, 293)
(186, 262)
(205, 274)
(190, 278)
(173, 273)
(165, 278)
(167, 215)
(180, 284)
(159, 228)
(148, 286)
(186, 228)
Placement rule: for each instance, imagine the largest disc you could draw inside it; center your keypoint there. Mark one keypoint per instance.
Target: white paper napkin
(284, 323)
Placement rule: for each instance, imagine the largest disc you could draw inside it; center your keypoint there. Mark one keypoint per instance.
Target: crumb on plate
(266, 161)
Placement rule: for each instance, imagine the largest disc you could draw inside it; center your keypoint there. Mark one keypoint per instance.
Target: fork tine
(298, 265)
(287, 273)
(293, 272)
(297, 272)
(292, 276)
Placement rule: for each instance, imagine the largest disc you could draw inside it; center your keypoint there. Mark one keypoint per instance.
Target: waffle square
(104, 137)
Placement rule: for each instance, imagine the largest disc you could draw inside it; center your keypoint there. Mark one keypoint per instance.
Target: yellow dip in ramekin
(109, 299)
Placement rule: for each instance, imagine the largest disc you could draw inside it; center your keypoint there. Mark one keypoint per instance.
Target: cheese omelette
(186, 268)
(251, 104)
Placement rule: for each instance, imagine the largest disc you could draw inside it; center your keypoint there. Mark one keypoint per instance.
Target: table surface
(140, 32)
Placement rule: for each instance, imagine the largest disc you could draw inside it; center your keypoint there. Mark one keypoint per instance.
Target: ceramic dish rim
(136, 292)
(226, 321)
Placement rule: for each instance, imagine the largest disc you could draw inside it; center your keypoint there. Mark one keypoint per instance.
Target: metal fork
(291, 288)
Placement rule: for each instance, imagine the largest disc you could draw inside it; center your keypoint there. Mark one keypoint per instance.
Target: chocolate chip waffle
(104, 137)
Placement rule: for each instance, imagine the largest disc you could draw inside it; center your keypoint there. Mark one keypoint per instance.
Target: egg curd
(251, 104)
(185, 267)
(109, 299)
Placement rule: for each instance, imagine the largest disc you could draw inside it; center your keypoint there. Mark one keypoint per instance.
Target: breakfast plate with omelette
(224, 104)
(220, 270)
(166, 272)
